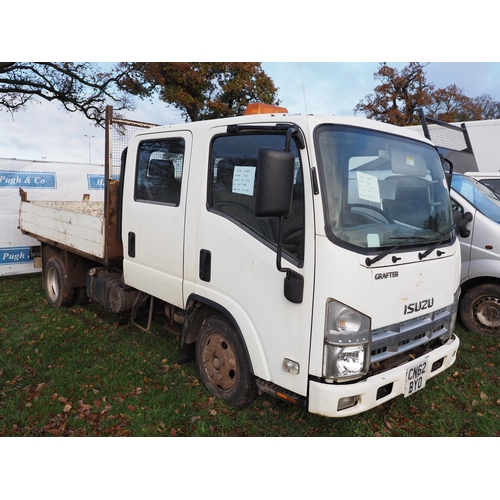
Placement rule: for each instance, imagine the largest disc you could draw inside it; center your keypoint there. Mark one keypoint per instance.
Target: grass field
(77, 372)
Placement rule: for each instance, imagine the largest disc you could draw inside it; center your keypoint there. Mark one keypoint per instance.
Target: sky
(46, 132)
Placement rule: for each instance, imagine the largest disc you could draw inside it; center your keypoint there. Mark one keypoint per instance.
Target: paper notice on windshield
(368, 187)
(244, 180)
(387, 190)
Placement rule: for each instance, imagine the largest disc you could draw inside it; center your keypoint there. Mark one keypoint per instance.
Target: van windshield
(381, 190)
(482, 197)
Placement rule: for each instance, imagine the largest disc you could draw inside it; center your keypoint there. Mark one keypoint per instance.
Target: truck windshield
(482, 197)
(382, 190)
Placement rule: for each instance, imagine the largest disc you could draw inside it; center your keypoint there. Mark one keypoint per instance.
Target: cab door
(237, 254)
(154, 214)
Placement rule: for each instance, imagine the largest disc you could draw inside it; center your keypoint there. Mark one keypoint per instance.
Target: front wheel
(480, 310)
(56, 283)
(223, 363)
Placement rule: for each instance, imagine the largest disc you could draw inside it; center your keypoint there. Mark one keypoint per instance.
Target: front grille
(399, 338)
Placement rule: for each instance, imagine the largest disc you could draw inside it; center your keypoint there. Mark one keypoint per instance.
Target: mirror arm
(288, 138)
(280, 247)
(294, 282)
(448, 175)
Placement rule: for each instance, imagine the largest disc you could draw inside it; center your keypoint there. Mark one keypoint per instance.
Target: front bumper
(373, 391)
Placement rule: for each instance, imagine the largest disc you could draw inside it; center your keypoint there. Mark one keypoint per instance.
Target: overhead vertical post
(108, 169)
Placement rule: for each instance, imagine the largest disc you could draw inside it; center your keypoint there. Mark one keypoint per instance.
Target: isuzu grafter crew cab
(310, 257)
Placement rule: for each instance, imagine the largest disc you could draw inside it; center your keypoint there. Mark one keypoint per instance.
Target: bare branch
(79, 87)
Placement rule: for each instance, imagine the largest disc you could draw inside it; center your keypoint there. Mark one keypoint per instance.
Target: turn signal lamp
(259, 108)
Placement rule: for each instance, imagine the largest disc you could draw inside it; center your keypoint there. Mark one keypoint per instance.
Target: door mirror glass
(274, 183)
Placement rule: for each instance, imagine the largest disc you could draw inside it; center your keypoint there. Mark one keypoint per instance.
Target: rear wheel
(223, 363)
(56, 283)
(480, 310)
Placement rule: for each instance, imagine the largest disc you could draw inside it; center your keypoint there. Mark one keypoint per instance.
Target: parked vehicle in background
(484, 138)
(477, 213)
(490, 179)
(313, 258)
(480, 247)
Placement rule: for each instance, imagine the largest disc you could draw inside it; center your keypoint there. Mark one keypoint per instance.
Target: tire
(56, 283)
(480, 310)
(223, 363)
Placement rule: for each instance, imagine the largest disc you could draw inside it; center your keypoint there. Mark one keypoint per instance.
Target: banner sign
(95, 181)
(14, 255)
(33, 180)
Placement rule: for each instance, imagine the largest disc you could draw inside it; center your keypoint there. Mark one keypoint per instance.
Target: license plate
(416, 377)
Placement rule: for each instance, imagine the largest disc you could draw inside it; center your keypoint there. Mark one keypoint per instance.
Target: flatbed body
(86, 228)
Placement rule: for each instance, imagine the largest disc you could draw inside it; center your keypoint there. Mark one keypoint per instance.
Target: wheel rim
(53, 283)
(487, 312)
(219, 361)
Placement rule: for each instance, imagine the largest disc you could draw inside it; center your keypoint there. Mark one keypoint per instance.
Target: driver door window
(233, 172)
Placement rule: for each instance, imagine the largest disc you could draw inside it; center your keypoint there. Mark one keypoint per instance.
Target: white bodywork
(247, 285)
(165, 262)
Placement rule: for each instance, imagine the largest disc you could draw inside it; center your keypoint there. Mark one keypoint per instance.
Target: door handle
(205, 265)
(131, 244)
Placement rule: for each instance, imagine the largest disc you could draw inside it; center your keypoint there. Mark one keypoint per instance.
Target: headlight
(347, 342)
(351, 361)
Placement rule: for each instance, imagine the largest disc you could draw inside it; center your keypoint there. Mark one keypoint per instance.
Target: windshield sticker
(372, 240)
(244, 180)
(368, 187)
(410, 161)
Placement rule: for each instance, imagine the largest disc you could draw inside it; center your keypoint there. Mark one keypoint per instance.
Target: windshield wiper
(383, 254)
(441, 237)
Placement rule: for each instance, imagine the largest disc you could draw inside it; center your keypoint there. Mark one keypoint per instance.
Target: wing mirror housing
(273, 198)
(274, 183)
(461, 221)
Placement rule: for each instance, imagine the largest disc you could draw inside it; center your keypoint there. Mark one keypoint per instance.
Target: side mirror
(273, 198)
(274, 183)
(461, 221)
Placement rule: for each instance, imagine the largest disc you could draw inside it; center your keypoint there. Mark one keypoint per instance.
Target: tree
(490, 109)
(82, 87)
(398, 96)
(450, 104)
(203, 90)
(401, 93)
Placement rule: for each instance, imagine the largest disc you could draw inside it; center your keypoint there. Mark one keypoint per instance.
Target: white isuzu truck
(313, 258)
